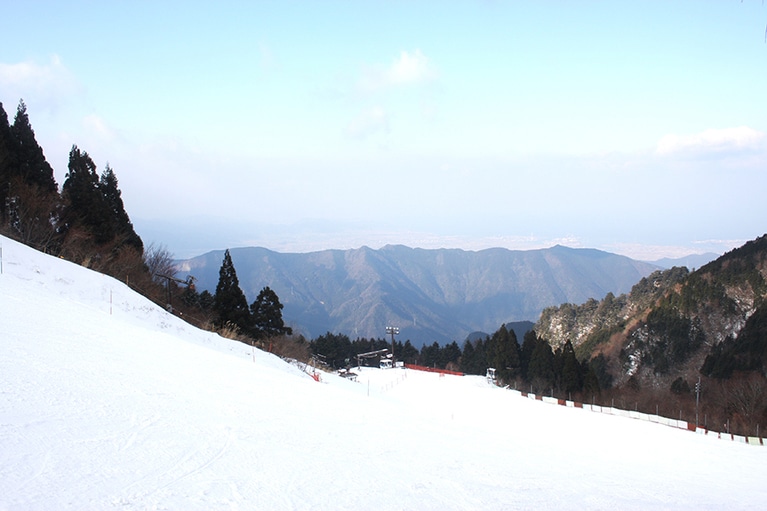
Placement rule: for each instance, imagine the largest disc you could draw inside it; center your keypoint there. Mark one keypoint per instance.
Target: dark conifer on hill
(335, 349)
(474, 358)
(571, 378)
(93, 210)
(409, 353)
(7, 151)
(467, 358)
(230, 305)
(31, 163)
(122, 226)
(505, 356)
(266, 312)
(85, 207)
(540, 372)
(28, 191)
(526, 352)
(451, 355)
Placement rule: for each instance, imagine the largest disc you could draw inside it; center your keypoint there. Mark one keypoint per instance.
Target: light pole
(392, 330)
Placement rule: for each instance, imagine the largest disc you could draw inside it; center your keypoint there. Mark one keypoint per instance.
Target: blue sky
(634, 127)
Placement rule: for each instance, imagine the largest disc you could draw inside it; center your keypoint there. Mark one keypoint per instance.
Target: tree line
(532, 365)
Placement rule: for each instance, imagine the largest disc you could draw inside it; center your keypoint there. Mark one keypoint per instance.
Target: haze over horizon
(633, 127)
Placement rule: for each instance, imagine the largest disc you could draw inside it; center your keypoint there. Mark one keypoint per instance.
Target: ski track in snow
(108, 402)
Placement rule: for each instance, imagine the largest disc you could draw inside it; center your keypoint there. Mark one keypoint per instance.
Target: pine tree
(230, 305)
(266, 312)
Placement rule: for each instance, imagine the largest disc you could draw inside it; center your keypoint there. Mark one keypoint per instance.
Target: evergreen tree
(397, 350)
(451, 354)
(467, 357)
(29, 196)
(590, 384)
(85, 206)
(479, 364)
(266, 312)
(121, 224)
(526, 352)
(31, 163)
(540, 372)
(7, 156)
(409, 353)
(505, 357)
(430, 355)
(571, 369)
(490, 349)
(335, 348)
(207, 301)
(598, 365)
(556, 364)
(229, 304)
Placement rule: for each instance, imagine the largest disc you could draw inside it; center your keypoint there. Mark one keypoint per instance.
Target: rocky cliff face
(592, 322)
(669, 322)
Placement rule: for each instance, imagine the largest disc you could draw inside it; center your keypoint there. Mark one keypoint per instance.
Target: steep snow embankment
(106, 401)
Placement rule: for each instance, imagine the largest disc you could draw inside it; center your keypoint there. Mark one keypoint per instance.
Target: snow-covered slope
(108, 402)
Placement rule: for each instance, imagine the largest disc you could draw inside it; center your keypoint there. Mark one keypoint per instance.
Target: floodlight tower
(392, 330)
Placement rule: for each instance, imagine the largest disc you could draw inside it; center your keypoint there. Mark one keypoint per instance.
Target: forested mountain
(431, 295)
(676, 326)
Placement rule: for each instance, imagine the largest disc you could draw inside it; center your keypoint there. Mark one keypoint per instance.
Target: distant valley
(437, 295)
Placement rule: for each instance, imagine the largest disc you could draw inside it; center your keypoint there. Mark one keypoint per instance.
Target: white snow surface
(109, 402)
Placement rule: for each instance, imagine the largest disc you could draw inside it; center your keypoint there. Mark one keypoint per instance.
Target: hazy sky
(634, 127)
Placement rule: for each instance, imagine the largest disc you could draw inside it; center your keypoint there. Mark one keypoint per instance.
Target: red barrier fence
(432, 369)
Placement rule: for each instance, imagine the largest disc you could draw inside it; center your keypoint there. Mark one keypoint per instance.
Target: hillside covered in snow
(108, 402)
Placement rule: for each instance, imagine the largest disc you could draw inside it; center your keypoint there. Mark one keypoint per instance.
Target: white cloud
(369, 122)
(713, 141)
(37, 83)
(409, 68)
(97, 126)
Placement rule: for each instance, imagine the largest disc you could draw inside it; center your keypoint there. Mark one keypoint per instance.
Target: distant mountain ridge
(430, 294)
(691, 262)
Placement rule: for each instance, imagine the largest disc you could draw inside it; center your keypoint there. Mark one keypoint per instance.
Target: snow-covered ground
(107, 402)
